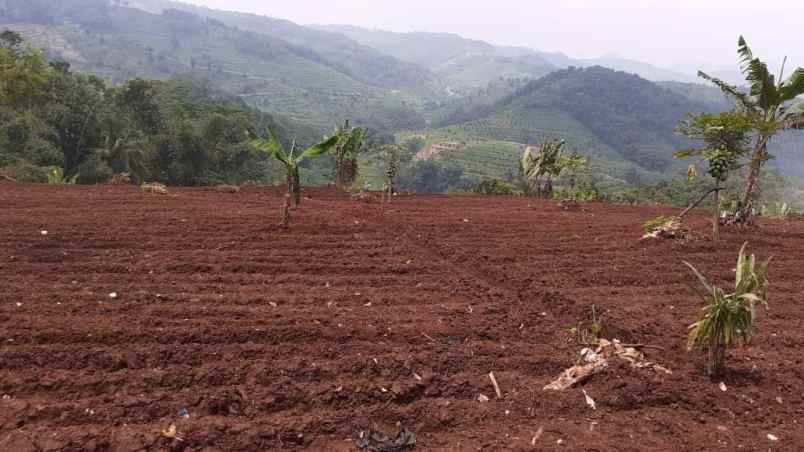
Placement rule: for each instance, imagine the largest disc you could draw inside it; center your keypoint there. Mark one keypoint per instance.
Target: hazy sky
(668, 33)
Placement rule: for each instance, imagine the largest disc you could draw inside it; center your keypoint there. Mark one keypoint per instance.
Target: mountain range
(441, 87)
(476, 63)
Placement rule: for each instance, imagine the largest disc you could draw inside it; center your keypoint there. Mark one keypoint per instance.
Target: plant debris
(571, 205)
(673, 229)
(224, 188)
(154, 187)
(589, 401)
(171, 433)
(595, 361)
(375, 441)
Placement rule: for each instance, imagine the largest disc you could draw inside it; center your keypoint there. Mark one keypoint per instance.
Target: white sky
(683, 34)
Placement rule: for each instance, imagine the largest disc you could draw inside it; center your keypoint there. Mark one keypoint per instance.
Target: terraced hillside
(279, 76)
(623, 123)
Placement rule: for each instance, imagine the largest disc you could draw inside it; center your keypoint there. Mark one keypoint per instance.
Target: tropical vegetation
(292, 158)
(771, 105)
(727, 318)
(540, 167)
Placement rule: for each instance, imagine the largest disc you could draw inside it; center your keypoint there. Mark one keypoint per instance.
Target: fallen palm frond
(666, 228)
(596, 361)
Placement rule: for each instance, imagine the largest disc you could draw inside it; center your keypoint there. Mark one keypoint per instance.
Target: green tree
(24, 79)
(725, 137)
(539, 167)
(351, 142)
(291, 158)
(10, 40)
(391, 155)
(73, 114)
(772, 106)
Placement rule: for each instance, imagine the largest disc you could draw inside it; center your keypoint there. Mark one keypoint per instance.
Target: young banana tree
(772, 105)
(725, 137)
(540, 167)
(351, 141)
(292, 158)
(728, 316)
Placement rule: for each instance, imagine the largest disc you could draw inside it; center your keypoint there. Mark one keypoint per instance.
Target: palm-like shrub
(772, 104)
(351, 142)
(728, 317)
(292, 158)
(391, 154)
(539, 167)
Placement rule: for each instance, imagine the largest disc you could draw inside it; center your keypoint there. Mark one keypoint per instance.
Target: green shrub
(776, 210)
(55, 176)
(94, 171)
(25, 172)
(496, 187)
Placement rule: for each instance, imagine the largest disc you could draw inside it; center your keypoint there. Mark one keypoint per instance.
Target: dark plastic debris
(374, 441)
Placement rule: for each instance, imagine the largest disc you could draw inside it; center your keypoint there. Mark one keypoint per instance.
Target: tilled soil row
(136, 312)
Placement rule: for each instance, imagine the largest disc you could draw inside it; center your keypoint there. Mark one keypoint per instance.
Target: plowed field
(248, 337)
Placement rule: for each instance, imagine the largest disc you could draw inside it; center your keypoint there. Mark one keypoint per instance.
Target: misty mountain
(476, 62)
(356, 60)
(463, 61)
(445, 86)
(624, 123)
(118, 42)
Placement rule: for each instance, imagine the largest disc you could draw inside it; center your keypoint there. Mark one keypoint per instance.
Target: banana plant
(292, 158)
(540, 167)
(351, 141)
(772, 103)
(728, 317)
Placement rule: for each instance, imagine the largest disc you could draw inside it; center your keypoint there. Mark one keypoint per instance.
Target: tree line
(178, 132)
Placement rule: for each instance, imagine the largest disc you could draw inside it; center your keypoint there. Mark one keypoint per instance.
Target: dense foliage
(316, 78)
(178, 132)
(430, 176)
(770, 105)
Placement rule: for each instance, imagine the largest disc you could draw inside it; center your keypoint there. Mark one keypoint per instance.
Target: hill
(476, 63)
(787, 147)
(356, 60)
(273, 74)
(623, 122)
(464, 62)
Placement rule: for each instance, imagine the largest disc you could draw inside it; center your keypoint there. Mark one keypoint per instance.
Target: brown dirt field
(296, 339)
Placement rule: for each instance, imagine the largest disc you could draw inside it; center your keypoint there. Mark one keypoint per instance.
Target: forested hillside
(625, 124)
(347, 56)
(464, 62)
(423, 89)
(477, 62)
(63, 126)
(117, 43)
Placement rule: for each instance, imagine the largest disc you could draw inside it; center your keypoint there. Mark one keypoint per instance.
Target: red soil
(274, 339)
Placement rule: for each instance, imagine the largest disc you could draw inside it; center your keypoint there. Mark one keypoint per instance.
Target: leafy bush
(94, 171)
(496, 187)
(728, 318)
(25, 172)
(56, 177)
(586, 194)
(431, 177)
(776, 210)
